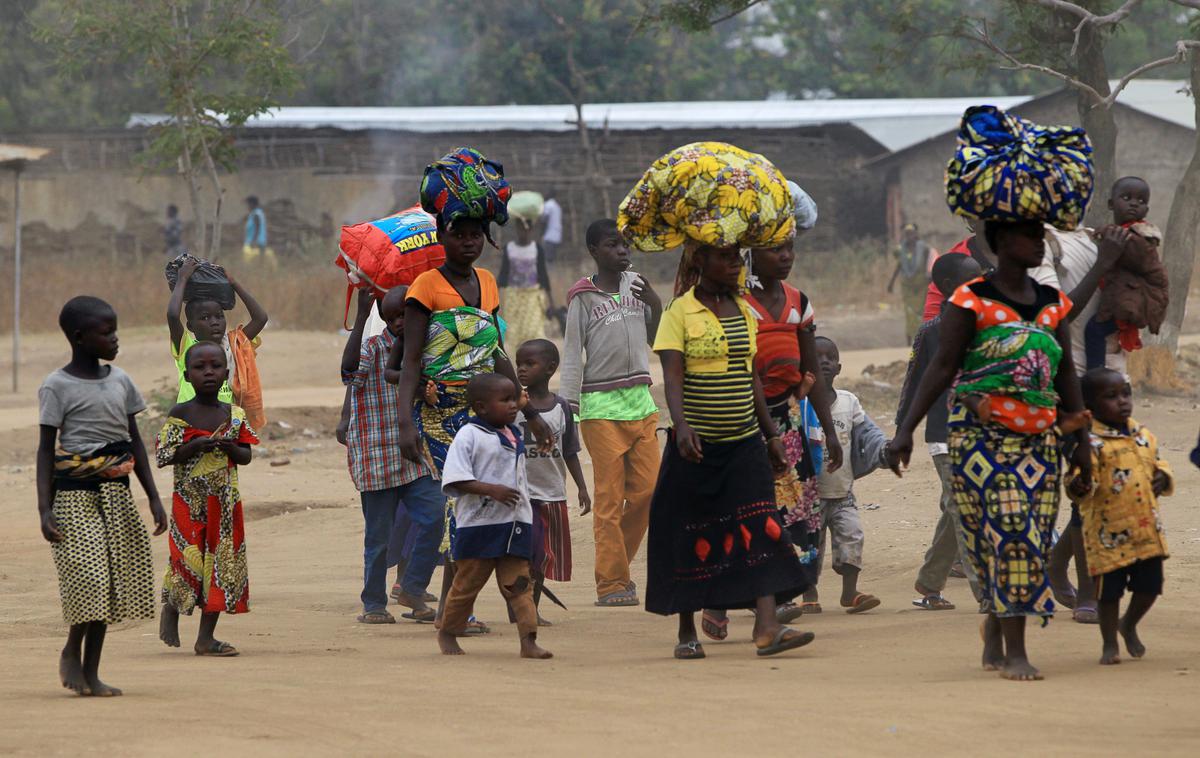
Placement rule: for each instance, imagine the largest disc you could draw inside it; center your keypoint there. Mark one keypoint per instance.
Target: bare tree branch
(1193, 4)
(1088, 18)
(731, 14)
(983, 36)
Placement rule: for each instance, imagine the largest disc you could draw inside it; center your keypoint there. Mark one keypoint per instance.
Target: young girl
(89, 444)
(206, 440)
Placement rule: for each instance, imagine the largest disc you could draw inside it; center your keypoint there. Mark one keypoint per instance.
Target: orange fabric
(245, 382)
(435, 293)
(1011, 412)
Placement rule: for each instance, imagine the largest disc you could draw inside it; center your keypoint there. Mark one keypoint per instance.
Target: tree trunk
(1183, 228)
(189, 174)
(1101, 127)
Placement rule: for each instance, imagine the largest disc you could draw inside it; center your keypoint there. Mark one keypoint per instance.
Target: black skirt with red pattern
(716, 537)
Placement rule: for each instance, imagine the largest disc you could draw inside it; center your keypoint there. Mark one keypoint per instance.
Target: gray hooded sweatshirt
(612, 334)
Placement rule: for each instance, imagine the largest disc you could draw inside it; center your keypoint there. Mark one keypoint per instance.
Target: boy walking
(381, 474)
(485, 473)
(612, 317)
(859, 435)
(949, 273)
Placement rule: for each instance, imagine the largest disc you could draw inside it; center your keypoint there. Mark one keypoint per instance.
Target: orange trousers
(470, 576)
(625, 457)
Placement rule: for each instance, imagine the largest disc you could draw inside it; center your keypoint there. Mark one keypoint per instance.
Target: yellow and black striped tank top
(720, 407)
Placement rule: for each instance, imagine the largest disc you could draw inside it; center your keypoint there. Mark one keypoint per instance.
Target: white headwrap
(805, 208)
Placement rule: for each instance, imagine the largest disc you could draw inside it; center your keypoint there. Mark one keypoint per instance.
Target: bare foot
(1132, 643)
(70, 671)
(544, 622)
(100, 689)
(449, 644)
(168, 625)
(993, 645)
(1020, 670)
(530, 649)
(1110, 655)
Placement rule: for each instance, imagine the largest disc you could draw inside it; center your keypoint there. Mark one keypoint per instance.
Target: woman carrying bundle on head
(716, 537)
(1002, 336)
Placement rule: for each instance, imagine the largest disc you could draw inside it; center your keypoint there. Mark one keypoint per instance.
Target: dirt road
(311, 681)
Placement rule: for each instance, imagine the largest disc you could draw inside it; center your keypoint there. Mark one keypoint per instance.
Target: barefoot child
(205, 439)
(858, 434)
(612, 315)
(537, 360)
(381, 474)
(88, 445)
(485, 473)
(1122, 527)
(206, 321)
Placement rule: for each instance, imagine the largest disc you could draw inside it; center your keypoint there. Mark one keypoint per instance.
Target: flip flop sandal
(219, 649)
(1066, 599)
(1085, 614)
(862, 603)
(426, 616)
(428, 597)
(476, 628)
(781, 645)
(690, 651)
(934, 602)
(376, 617)
(809, 607)
(620, 599)
(788, 612)
(714, 628)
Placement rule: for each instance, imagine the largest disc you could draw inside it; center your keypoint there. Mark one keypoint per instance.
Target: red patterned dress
(207, 568)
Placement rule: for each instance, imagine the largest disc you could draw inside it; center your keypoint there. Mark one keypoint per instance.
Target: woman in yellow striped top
(716, 537)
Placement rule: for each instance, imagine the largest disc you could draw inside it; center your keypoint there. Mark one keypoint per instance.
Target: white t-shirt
(552, 215)
(1074, 254)
(846, 411)
(522, 264)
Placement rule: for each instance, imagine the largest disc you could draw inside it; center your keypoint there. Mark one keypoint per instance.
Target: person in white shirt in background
(552, 228)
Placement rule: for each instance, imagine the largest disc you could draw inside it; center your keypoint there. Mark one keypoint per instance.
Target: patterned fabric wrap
(1006, 487)
(207, 568)
(709, 193)
(464, 184)
(110, 462)
(1012, 359)
(796, 491)
(460, 343)
(1008, 169)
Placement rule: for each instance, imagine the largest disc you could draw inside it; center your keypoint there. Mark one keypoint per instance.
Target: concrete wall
(1156, 150)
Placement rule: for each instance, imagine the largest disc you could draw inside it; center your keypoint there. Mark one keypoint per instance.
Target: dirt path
(312, 681)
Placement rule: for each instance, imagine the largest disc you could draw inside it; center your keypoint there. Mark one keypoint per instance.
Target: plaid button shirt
(373, 439)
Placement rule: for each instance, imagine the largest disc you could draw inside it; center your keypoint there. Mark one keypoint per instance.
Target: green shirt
(627, 404)
(186, 391)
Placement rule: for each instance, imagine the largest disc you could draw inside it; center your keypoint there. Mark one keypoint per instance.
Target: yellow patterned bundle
(709, 193)
(1009, 169)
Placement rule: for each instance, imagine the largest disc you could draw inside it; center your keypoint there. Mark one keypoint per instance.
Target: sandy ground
(312, 681)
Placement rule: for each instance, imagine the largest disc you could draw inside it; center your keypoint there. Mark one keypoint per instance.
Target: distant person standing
(173, 233)
(551, 228)
(255, 244)
(913, 261)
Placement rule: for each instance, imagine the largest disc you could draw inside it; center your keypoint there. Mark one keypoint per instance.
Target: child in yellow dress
(1122, 529)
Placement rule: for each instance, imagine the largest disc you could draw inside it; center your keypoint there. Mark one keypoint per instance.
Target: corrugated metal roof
(10, 153)
(896, 123)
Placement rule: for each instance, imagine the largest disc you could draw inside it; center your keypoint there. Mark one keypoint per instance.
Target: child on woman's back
(1122, 527)
(485, 472)
(206, 321)
(205, 439)
(89, 444)
(537, 360)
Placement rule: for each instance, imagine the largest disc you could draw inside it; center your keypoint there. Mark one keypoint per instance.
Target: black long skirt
(716, 537)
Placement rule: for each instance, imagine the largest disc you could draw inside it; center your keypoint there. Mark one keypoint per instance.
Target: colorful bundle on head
(466, 185)
(1009, 169)
(709, 193)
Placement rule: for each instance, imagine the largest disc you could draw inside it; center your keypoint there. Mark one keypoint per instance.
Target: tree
(212, 63)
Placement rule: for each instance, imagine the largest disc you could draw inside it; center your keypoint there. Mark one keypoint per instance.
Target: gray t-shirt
(548, 473)
(89, 413)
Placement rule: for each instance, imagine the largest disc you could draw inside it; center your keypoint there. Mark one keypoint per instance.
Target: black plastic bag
(208, 282)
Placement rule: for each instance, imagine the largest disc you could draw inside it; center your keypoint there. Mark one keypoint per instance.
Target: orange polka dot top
(1014, 355)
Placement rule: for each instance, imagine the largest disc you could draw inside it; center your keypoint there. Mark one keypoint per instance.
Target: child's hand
(159, 515)
(1110, 244)
(1076, 487)
(50, 528)
(833, 453)
(365, 299)
(689, 443)
(585, 501)
(643, 291)
(228, 447)
(523, 400)
(898, 452)
(1161, 482)
(542, 436)
(1081, 458)
(777, 455)
(504, 494)
(805, 386)
(187, 269)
